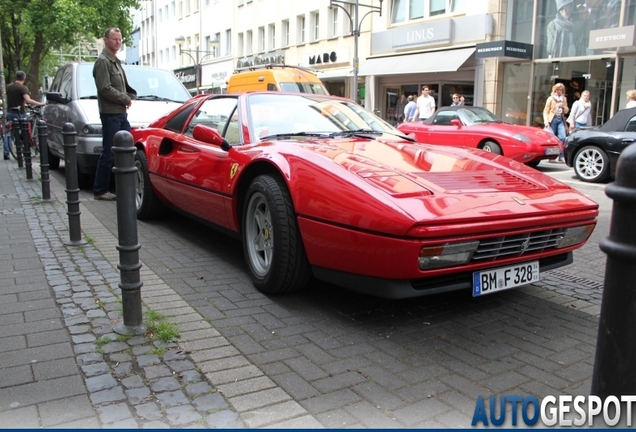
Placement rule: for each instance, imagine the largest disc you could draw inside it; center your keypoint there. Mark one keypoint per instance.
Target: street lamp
(180, 40)
(355, 22)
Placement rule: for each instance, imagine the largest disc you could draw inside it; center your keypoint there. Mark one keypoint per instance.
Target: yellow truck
(275, 77)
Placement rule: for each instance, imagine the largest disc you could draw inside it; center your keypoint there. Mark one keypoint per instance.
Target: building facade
(504, 55)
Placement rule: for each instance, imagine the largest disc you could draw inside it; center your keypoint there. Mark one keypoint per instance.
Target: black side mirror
(56, 97)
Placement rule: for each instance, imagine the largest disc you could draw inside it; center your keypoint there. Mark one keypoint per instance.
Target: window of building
(406, 10)
(348, 24)
(216, 51)
(248, 42)
(301, 29)
(261, 39)
(241, 44)
(315, 26)
(271, 29)
(228, 42)
(160, 16)
(172, 9)
(333, 22)
(180, 11)
(187, 7)
(160, 57)
(285, 26)
(519, 28)
(566, 32)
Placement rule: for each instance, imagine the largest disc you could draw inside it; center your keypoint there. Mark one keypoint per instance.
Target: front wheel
(493, 147)
(591, 164)
(147, 203)
(272, 244)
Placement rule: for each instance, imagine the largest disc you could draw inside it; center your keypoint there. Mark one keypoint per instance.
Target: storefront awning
(430, 62)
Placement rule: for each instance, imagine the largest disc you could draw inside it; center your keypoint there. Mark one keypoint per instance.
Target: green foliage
(160, 328)
(33, 31)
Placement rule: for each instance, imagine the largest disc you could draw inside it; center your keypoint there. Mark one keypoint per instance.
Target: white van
(72, 97)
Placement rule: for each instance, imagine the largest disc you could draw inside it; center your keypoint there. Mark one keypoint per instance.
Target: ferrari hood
(534, 133)
(449, 184)
(140, 113)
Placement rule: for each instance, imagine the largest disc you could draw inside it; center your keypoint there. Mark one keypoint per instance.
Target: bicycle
(34, 114)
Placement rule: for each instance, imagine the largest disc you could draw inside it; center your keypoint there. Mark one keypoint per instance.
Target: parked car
(72, 97)
(468, 126)
(275, 77)
(594, 152)
(316, 186)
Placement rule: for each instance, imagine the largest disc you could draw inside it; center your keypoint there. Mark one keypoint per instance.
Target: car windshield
(303, 87)
(477, 115)
(277, 114)
(149, 83)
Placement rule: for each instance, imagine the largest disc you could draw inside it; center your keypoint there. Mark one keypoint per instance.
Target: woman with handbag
(556, 108)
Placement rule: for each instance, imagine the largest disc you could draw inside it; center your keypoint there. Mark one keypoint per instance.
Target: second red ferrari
(476, 127)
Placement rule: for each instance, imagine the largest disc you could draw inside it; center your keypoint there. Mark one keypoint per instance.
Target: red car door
(199, 172)
(442, 132)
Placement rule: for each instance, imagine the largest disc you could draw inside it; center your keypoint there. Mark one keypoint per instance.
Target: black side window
(66, 83)
(444, 118)
(177, 122)
(631, 125)
(57, 81)
(271, 87)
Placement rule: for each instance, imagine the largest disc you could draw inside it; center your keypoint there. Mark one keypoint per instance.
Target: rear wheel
(533, 164)
(148, 205)
(491, 146)
(272, 243)
(591, 164)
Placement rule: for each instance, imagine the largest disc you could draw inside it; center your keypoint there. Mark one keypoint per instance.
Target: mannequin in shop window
(565, 38)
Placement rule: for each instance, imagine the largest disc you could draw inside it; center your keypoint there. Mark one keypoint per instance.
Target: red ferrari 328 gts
(316, 186)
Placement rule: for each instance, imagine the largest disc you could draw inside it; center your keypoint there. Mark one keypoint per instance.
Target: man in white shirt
(425, 105)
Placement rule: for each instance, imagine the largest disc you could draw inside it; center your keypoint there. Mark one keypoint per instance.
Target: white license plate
(503, 278)
(552, 151)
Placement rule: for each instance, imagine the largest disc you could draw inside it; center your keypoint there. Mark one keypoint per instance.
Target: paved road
(328, 357)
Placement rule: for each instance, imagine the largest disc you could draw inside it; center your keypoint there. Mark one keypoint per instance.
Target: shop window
(565, 31)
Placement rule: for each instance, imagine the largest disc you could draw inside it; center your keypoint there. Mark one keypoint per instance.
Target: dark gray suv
(72, 97)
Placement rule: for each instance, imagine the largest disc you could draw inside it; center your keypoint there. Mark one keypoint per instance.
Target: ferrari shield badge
(234, 170)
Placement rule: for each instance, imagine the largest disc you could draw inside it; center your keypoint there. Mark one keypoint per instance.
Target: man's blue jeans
(8, 135)
(111, 124)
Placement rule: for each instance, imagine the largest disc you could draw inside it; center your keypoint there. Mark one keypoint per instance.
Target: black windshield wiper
(89, 97)
(291, 134)
(364, 133)
(157, 98)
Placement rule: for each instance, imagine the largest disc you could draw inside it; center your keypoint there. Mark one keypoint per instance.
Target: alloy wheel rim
(259, 234)
(590, 164)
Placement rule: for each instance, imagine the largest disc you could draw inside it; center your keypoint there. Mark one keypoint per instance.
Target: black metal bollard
(614, 370)
(128, 247)
(17, 140)
(26, 148)
(44, 161)
(72, 188)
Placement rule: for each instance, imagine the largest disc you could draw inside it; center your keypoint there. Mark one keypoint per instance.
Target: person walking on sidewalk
(425, 105)
(556, 107)
(17, 95)
(114, 97)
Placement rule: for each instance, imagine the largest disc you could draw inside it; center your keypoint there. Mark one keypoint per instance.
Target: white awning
(430, 62)
(334, 73)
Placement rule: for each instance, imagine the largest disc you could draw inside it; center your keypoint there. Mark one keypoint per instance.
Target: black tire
(272, 244)
(491, 146)
(148, 205)
(591, 164)
(533, 164)
(54, 161)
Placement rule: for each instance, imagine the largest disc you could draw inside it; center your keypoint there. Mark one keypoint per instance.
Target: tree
(32, 29)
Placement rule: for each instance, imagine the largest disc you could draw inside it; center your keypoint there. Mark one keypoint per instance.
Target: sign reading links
(560, 411)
